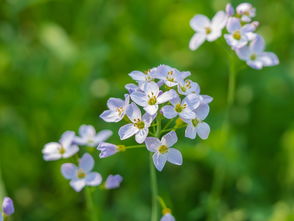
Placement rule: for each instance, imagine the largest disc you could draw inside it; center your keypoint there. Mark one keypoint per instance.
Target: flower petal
(67, 138)
(113, 181)
(233, 24)
(78, 185)
(152, 143)
(203, 130)
(87, 131)
(169, 112)
(269, 59)
(151, 109)
(141, 135)
(199, 23)
(202, 111)
(159, 160)
(107, 149)
(127, 131)
(196, 41)
(86, 162)
(69, 170)
(137, 75)
(103, 135)
(257, 44)
(151, 89)
(190, 131)
(219, 20)
(166, 96)
(93, 179)
(187, 113)
(174, 156)
(169, 139)
(70, 151)
(110, 116)
(243, 53)
(139, 98)
(133, 112)
(114, 103)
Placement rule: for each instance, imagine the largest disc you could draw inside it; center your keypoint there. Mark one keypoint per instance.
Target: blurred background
(61, 60)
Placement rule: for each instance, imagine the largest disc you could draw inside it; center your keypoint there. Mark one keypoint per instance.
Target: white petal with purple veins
(152, 143)
(169, 139)
(127, 131)
(174, 156)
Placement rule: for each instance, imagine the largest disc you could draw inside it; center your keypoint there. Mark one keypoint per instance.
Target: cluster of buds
(241, 36)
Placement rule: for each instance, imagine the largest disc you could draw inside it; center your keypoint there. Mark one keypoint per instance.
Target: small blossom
(132, 88)
(108, 149)
(7, 206)
(238, 34)
(179, 108)
(139, 126)
(162, 150)
(230, 10)
(186, 87)
(117, 108)
(63, 149)
(255, 56)
(113, 181)
(206, 29)
(143, 77)
(81, 176)
(167, 216)
(89, 137)
(170, 76)
(197, 126)
(150, 98)
(246, 12)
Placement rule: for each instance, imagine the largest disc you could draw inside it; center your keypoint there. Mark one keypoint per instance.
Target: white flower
(206, 29)
(81, 176)
(245, 11)
(139, 126)
(162, 150)
(255, 56)
(186, 87)
(117, 108)
(62, 149)
(143, 77)
(170, 76)
(150, 98)
(183, 109)
(196, 126)
(238, 34)
(89, 137)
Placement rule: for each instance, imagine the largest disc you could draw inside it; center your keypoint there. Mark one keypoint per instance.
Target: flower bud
(7, 206)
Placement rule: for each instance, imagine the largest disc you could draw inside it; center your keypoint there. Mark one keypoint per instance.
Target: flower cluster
(163, 93)
(68, 145)
(7, 208)
(241, 36)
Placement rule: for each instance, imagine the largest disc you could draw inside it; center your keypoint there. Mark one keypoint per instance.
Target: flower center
(139, 124)
(179, 108)
(208, 30)
(253, 57)
(81, 174)
(170, 76)
(162, 149)
(152, 101)
(120, 110)
(237, 35)
(195, 122)
(61, 150)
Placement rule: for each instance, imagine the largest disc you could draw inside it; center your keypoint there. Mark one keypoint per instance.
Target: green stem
(135, 146)
(162, 203)
(168, 123)
(92, 212)
(5, 217)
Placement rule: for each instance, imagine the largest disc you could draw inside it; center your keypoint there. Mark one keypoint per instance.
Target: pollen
(179, 108)
(195, 122)
(237, 35)
(208, 30)
(139, 124)
(152, 101)
(81, 174)
(61, 150)
(253, 57)
(162, 149)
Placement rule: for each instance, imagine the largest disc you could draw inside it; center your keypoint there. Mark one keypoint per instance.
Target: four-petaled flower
(186, 87)
(206, 29)
(63, 149)
(117, 108)
(89, 137)
(139, 126)
(150, 98)
(197, 126)
(162, 150)
(81, 176)
(255, 56)
(113, 181)
(245, 12)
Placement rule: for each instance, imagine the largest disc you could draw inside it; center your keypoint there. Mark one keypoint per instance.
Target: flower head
(143, 77)
(197, 126)
(113, 181)
(7, 206)
(139, 126)
(81, 176)
(206, 29)
(255, 56)
(117, 109)
(245, 11)
(187, 86)
(88, 136)
(163, 151)
(62, 149)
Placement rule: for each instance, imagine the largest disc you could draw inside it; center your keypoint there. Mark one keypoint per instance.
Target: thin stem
(162, 203)
(135, 146)
(5, 217)
(92, 212)
(168, 123)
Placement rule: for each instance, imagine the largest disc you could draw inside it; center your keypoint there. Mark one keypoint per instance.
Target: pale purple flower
(197, 126)
(113, 181)
(245, 11)
(206, 29)
(139, 126)
(170, 76)
(88, 136)
(143, 77)
(237, 36)
(107, 149)
(150, 98)
(163, 151)
(230, 10)
(81, 176)
(132, 88)
(117, 108)
(7, 206)
(183, 109)
(167, 217)
(255, 56)
(201, 109)
(62, 149)
(186, 87)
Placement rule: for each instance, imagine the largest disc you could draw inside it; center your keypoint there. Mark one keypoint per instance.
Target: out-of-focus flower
(113, 181)
(117, 108)
(197, 126)
(139, 126)
(187, 86)
(255, 56)
(206, 29)
(81, 176)
(89, 137)
(109, 149)
(167, 216)
(63, 149)
(230, 10)
(245, 11)
(150, 98)
(7, 206)
(162, 150)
